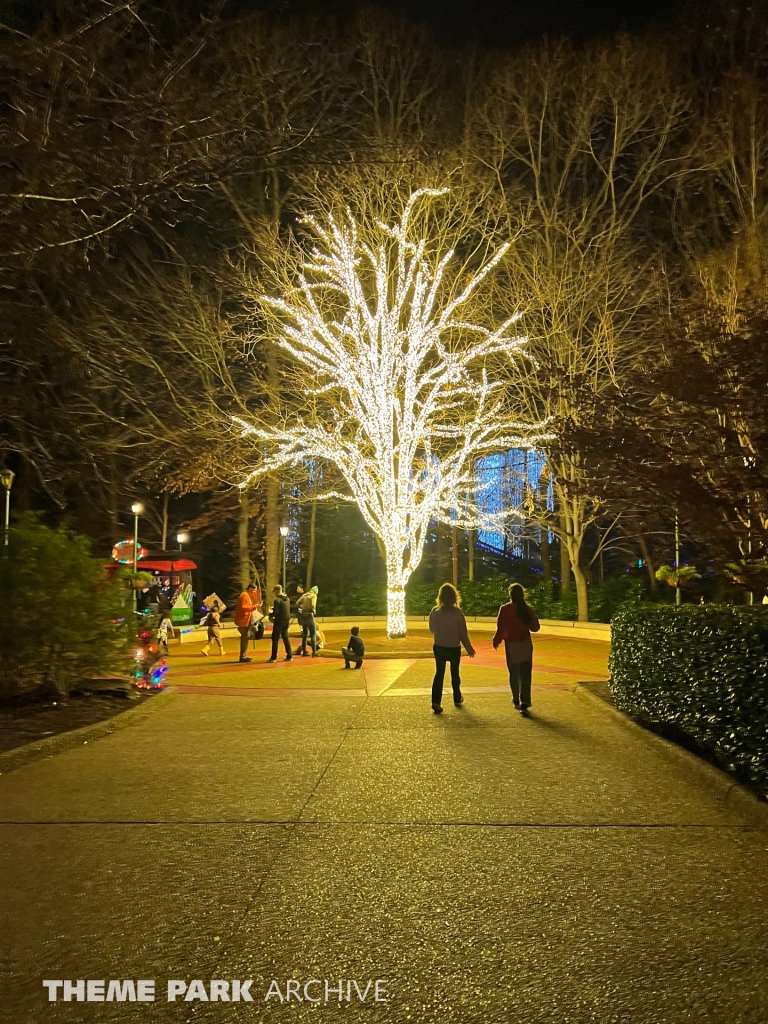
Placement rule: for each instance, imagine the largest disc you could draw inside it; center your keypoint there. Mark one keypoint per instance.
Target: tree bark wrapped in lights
(403, 403)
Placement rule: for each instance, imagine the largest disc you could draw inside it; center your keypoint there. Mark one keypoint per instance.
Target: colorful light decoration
(122, 552)
(411, 405)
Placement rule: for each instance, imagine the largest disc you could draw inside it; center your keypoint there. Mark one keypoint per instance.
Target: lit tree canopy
(402, 403)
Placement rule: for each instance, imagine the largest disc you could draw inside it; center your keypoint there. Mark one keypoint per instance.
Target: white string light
(398, 371)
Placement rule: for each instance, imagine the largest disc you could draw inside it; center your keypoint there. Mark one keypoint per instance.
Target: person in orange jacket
(247, 604)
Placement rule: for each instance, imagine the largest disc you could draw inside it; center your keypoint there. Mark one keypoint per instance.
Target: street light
(284, 531)
(137, 508)
(6, 478)
(182, 538)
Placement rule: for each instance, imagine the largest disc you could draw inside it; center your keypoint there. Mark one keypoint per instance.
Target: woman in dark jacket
(514, 625)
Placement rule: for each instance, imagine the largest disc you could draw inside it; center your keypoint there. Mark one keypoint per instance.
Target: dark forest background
(155, 150)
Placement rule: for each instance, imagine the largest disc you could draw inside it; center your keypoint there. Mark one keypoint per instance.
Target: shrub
(703, 671)
(63, 619)
(366, 599)
(605, 600)
(483, 597)
(420, 598)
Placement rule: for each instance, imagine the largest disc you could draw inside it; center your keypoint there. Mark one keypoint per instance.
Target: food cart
(171, 584)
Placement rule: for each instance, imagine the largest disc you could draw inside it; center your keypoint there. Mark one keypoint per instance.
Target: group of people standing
(514, 624)
(248, 619)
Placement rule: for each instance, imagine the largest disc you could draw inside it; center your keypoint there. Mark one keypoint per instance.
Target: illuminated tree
(401, 401)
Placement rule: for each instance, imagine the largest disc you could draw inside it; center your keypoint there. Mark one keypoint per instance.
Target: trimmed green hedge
(703, 671)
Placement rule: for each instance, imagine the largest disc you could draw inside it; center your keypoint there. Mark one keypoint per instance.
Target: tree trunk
(546, 566)
(471, 555)
(454, 556)
(582, 592)
(565, 561)
(544, 546)
(273, 567)
(648, 563)
(311, 552)
(396, 625)
(242, 538)
(272, 525)
(440, 558)
(165, 521)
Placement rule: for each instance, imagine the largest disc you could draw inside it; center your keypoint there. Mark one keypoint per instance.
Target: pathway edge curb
(18, 757)
(732, 793)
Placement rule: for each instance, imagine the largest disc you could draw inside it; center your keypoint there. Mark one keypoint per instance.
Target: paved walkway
(565, 869)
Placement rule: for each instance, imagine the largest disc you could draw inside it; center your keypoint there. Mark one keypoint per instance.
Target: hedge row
(483, 597)
(703, 671)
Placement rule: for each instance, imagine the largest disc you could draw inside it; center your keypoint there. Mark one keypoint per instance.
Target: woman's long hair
(517, 597)
(448, 597)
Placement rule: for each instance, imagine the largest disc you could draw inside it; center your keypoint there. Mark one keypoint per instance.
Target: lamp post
(284, 531)
(137, 508)
(6, 478)
(182, 539)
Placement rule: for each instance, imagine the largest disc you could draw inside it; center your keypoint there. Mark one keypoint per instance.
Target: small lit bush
(62, 618)
(703, 671)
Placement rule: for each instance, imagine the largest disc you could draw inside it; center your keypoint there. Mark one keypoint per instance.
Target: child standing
(355, 649)
(165, 625)
(213, 622)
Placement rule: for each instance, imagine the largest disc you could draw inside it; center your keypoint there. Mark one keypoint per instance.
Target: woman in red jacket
(514, 625)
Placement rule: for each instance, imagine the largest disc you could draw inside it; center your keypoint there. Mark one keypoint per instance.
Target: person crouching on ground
(355, 649)
(281, 618)
(247, 603)
(514, 625)
(213, 622)
(449, 628)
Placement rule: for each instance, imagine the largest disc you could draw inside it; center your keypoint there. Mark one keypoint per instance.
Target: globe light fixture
(182, 539)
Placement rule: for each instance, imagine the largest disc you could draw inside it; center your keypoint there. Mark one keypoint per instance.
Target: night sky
(488, 23)
(497, 22)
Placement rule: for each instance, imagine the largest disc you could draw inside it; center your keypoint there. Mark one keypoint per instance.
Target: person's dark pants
(244, 632)
(350, 655)
(308, 632)
(520, 680)
(277, 633)
(446, 656)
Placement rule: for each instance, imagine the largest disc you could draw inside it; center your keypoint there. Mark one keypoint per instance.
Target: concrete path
(563, 869)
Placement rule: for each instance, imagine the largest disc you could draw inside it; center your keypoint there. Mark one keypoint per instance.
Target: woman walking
(514, 625)
(449, 628)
